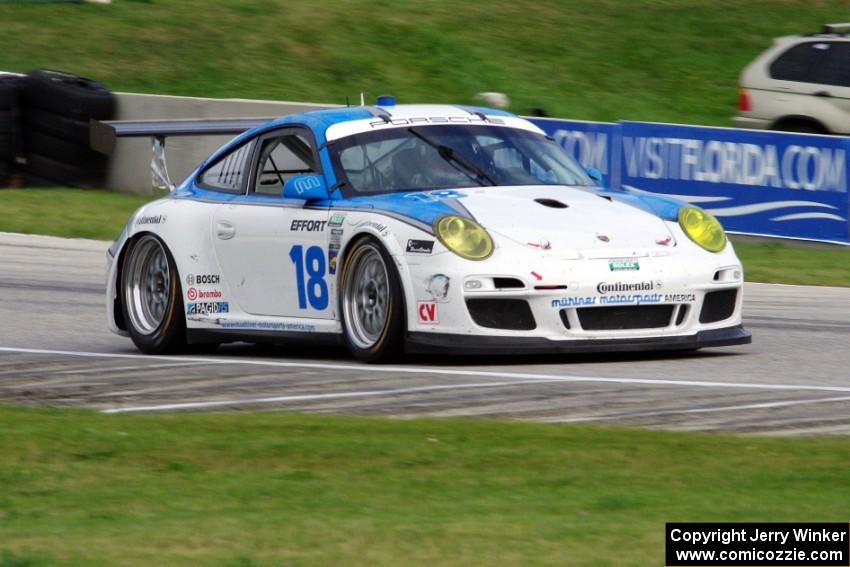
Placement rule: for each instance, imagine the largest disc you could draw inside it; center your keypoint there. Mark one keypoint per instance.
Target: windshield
(450, 156)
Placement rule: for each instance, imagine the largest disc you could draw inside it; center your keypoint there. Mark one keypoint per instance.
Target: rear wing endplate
(102, 137)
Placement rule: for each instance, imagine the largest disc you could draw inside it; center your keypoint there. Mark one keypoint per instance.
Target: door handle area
(224, 230)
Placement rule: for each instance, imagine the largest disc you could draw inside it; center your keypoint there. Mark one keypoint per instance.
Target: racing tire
(9, 85)
(71, 129)
(5, 174)
(152, 298)
(29, 180)
(67, 94)
(64, 151)
(63, 174)
(371, 302)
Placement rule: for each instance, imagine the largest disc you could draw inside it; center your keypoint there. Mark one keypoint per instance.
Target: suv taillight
(743, 99)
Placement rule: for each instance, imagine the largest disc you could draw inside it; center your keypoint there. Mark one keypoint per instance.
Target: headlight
(464, 237)
(702, 228)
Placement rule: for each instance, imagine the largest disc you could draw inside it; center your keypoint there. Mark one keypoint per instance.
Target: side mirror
(594, 174)
(307, 186)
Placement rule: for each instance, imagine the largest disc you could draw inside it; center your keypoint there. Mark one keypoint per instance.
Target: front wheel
(151, 298)
(371, 302)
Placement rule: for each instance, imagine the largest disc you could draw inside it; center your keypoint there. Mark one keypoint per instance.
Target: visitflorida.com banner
(754, 182)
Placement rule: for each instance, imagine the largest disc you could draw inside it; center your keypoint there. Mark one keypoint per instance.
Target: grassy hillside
(274, 489)
(659, 60)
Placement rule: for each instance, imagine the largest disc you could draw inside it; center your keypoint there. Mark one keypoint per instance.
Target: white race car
(415, 228)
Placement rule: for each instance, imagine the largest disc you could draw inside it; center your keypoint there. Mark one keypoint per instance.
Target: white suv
(801, 84)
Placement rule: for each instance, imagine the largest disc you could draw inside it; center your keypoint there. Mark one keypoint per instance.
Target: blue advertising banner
(590, 143)
(755, 182)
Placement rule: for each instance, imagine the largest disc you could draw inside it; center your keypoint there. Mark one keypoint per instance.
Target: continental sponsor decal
(151, 219)
(606, 287)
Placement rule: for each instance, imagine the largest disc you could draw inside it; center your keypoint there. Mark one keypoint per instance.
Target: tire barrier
(10, 127)
(57, 107)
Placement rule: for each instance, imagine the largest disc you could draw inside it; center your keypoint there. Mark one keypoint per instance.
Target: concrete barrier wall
(129, 167)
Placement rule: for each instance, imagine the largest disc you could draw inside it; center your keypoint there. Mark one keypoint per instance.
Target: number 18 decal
(315, 289)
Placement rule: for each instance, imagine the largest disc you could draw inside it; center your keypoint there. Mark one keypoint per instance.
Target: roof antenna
(362, 99)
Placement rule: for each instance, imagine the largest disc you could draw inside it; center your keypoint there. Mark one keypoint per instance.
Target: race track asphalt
(55, 349)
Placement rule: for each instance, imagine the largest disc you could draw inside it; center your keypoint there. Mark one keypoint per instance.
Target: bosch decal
(420, 246)
(203, 279)
(207, 308)
(300, 225)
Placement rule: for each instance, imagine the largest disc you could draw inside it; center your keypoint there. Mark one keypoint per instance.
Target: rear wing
(103, 135)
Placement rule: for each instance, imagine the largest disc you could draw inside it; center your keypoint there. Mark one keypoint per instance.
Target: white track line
(312, 397)
(763, 405)
(372, 369)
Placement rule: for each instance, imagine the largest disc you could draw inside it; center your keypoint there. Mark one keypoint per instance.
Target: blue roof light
(385, 100)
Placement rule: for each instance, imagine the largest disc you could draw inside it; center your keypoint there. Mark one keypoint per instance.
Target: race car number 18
(315, 289)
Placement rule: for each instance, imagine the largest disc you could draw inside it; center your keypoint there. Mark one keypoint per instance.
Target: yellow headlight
(702, 228)
(464, 237)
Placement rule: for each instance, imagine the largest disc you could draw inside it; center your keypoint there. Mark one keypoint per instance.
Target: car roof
(320, 120)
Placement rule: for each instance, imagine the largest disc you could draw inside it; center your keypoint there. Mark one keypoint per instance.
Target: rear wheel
(372, 303)
(151, 297)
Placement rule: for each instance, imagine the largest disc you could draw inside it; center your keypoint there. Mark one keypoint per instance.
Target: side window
(229, 171)
(800, 62)
(282, 157)
(835, 69)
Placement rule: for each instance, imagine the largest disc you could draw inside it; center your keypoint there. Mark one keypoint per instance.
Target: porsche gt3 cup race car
(416, 228)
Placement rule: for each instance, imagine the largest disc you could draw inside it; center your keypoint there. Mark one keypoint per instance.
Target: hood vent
(553, 203)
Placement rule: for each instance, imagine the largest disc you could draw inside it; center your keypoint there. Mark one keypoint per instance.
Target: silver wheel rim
(147, 285)
(366, 297)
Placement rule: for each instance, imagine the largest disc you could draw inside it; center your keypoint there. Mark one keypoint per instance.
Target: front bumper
(433, 343)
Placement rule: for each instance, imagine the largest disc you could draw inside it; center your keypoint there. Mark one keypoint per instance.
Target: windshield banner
(754, 182)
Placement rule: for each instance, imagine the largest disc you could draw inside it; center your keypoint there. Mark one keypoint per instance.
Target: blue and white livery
(418, 228)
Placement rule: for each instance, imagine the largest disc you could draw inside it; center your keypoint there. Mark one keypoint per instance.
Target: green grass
(79, 488)
(672, 61)
(72, 213)
(804, 265)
